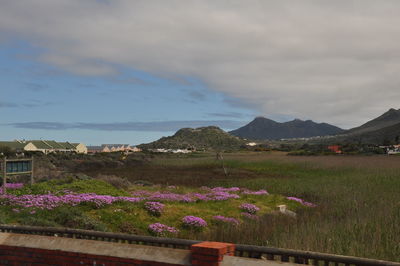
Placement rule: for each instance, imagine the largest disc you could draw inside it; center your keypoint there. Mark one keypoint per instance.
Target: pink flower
(162, 229)
(302, 202)
(249, 208)
(194, 222)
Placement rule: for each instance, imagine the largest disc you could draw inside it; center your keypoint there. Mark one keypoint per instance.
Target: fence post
(32, 171)
(4, 174)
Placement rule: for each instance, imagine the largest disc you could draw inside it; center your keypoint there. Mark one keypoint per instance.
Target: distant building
(112, 148)
(335, 148)
(393, 149)
(94, 149)
(116, 147)
(251, 144)
(161, 150)
(45, 146)
(18, 146)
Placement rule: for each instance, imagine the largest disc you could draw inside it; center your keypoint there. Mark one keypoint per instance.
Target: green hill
(383, 136)
(203, 138)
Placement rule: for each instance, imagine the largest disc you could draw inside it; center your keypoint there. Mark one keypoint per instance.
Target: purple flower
(51, 201)
(249, 208)
(212, 195)
(194, 222)
(302, 202)
(12, 186)
(154, 207)
(226, 219)
(259, 192)
(162, 229)
(223, 189)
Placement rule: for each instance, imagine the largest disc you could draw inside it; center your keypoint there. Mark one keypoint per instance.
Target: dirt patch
(175, 175)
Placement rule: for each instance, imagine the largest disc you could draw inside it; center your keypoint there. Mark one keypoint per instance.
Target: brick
(231, 247)
(205, 263)
(202, 257)
(211, 248)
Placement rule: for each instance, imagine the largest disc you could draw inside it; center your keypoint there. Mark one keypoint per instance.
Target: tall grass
(358, 210)
(358, 198)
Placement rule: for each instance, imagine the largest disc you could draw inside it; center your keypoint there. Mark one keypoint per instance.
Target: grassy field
(358, 200)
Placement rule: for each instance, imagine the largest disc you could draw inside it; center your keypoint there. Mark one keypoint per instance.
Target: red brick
(231, 247)
(202, 257)
(211, 248)
(205, 263)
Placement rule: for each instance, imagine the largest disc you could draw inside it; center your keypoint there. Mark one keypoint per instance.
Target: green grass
(358, 211)
(130, 217)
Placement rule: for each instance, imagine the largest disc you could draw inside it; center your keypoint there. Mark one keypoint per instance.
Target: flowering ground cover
(155, 210)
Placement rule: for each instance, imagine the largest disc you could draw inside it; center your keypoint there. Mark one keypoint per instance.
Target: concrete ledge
(238, 261)
(111, 249)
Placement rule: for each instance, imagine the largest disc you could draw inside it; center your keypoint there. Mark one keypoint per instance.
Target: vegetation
(357, 198)
(96, 205)
(204, 138)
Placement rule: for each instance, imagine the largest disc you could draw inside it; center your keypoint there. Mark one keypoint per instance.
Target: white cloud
(333, 61)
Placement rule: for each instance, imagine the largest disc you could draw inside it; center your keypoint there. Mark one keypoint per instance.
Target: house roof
(52, 144)
(94, 148)
(75, 144)
(13, 144)
(114, 145)
(67, 145)
(40, 144)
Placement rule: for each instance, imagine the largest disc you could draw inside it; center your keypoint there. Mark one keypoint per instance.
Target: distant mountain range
(262, 128)
(203, 138)
(384, 129)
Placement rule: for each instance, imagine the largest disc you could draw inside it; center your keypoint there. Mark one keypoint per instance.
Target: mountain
(391, 117)
(383, 136)
(203, 138)
(263, 128)
(384, 129)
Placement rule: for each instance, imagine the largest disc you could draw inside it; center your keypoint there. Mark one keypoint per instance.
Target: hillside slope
(263, 128)
(382, 136)
(389, 118)
(203, 138)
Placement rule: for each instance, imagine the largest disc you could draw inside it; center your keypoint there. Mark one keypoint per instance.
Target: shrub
(160, 229)
(249, 208)
(194, 222)
(154, 208)
(226, 219)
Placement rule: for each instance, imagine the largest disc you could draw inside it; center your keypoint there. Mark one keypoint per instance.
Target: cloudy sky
(132, 71)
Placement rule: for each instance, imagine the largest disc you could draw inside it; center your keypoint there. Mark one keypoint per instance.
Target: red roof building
(335, 149)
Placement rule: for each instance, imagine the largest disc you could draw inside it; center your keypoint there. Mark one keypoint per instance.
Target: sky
(132, 71)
